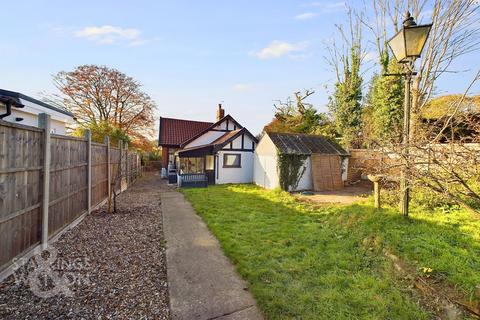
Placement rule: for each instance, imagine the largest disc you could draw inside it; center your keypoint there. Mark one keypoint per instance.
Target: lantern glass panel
(415, 38)
(397, 44)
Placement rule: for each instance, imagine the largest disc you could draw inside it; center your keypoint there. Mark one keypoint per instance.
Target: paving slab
(203, 284)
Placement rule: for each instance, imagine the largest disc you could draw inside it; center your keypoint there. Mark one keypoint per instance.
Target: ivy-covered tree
(384, 106)
(345, 104)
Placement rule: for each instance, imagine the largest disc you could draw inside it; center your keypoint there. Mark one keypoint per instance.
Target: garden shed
(297, 162)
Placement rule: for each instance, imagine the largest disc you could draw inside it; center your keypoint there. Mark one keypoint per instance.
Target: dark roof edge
(185, 120)
(240, 132)
(33, 100)
(338, 149)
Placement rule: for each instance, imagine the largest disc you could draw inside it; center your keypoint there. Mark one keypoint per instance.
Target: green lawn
(327, 263)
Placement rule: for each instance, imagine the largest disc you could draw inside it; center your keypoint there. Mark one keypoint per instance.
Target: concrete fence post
(109, 173)
(44, 123)
(88, 136)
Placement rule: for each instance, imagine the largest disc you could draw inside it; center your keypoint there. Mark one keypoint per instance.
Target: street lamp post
(407, 45)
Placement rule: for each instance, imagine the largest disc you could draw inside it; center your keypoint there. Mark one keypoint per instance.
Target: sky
(188, 55)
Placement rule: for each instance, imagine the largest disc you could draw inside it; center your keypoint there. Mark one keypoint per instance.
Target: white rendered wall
(237, 143)
(29, 114)
(234, 175)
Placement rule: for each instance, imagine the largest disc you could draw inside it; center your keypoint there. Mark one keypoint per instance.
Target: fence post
(44, 122)
(88, 136)
(127, 175)
(109, 174)
(138, 167)
(376, 194)
(120, 165)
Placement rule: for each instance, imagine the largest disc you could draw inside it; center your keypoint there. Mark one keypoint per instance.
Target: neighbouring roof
(173, 132)
(296, 143)
(16, 96)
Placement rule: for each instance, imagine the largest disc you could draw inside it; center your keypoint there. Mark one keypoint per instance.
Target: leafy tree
(445, 105)
(299, 117)
(106, 101)
(102, 129)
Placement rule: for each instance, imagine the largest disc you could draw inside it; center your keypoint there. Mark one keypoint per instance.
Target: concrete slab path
(202, 282)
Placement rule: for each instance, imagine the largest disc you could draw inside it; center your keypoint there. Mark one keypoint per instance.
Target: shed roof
(297, 143)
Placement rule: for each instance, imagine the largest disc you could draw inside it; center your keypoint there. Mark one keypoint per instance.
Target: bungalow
(19, 108)
(222, 151)
(323, 163)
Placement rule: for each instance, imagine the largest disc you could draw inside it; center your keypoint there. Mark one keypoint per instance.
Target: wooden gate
(326, 172)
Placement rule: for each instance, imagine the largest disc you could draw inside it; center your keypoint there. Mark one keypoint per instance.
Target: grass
(304, 262)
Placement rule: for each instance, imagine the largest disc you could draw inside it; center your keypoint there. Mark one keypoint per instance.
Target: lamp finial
(409, 21)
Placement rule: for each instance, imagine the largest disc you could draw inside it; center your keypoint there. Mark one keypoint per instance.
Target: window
(209, 162)
(192, 165)
(232, 160)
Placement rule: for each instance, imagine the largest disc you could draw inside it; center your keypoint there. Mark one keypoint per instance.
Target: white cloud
(277, 49)
(111, 35)
(306, 15)
(243, 87)
(326, 6)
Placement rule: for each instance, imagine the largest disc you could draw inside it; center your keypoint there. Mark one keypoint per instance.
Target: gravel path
(113, 265)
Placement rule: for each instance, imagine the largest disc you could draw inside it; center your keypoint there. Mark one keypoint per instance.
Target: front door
(210, 168)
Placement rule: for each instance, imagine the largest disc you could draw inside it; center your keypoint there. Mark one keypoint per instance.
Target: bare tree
(455, 32)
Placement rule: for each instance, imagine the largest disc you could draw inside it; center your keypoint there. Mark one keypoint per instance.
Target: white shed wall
(306, 180)
(265, 173)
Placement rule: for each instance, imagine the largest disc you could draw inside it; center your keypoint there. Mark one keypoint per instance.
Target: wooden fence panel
(326, 172)
(99, 173)
(20, 178)
(21, 182)
(68, 181)
(114, 160)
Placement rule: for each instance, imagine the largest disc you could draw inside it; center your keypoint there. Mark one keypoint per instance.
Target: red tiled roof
(175, 131)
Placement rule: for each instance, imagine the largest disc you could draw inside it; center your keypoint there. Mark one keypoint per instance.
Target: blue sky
(189, 55)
